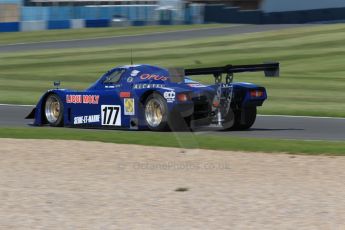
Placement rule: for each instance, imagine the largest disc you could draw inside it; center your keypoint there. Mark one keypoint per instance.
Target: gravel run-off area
(48, 184)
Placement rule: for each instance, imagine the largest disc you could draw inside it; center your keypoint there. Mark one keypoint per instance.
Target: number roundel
(111, 115)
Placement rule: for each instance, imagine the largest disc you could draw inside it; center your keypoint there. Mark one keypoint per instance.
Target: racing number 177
(110, 115)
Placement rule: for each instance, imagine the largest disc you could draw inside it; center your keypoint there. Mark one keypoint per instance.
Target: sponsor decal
(111, 115)
(197, 85)
(90, 99)
(74, 99)
(82, 99)
(169, 96)
(125, 94)
(129, 106)
(112, 86)
(86, 119)
(148, 86)
(153, 77)
(135, 73)
(129, 79)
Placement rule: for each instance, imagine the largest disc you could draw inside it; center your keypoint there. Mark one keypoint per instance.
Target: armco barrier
(166, 22)
(216, 13)
(222, 14)
(61, 24)
(124, 23)
(33, 25)
(138, 23)
(9, 26)
(250, 16)
(271, 6)
(152, 23)
(305, 16)
(97, 23)
(77, 23)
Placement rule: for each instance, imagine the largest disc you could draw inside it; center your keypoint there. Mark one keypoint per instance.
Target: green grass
(56, 35)
(180, 140)
(312, 66)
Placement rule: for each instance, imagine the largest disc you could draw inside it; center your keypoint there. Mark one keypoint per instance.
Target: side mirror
(57, 84)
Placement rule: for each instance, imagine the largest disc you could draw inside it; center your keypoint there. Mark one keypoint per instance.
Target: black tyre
(53, 110)
(240, 119)
(156, 112)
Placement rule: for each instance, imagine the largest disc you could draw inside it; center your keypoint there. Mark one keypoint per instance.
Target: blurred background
(30, 15)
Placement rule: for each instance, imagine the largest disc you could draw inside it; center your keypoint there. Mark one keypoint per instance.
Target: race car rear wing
(270, 69)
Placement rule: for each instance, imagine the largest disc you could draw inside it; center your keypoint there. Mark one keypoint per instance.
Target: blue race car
(149, 97)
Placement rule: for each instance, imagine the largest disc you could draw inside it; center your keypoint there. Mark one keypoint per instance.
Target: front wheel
(53, 110)
(241, 119)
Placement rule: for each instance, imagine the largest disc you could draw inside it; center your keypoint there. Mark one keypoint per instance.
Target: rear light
(183, 97)
(256, 93)
(215, 103)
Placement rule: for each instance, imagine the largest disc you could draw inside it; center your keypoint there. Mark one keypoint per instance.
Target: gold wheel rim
(154, 113)
(52, 109)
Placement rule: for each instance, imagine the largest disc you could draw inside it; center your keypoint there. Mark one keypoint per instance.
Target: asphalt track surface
(144, 38)
(282, 127)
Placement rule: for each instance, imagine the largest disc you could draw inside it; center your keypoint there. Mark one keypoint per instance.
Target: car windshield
(114, 77)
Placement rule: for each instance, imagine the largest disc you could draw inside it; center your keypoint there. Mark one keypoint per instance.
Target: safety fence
(224, 14)
(71, 17)
(64, 17)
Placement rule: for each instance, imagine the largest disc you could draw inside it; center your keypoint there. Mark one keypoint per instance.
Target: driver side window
(114, 77)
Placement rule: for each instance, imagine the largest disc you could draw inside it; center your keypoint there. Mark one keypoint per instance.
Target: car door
(112, 109)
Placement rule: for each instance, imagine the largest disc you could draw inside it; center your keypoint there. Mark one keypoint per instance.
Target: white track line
(13, 105)
(301, 116)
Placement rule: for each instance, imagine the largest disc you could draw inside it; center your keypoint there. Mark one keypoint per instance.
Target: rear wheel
(53, 110)
(240, 119)
(156, 112)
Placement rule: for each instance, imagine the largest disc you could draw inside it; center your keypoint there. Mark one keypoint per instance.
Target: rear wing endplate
(270, 69)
